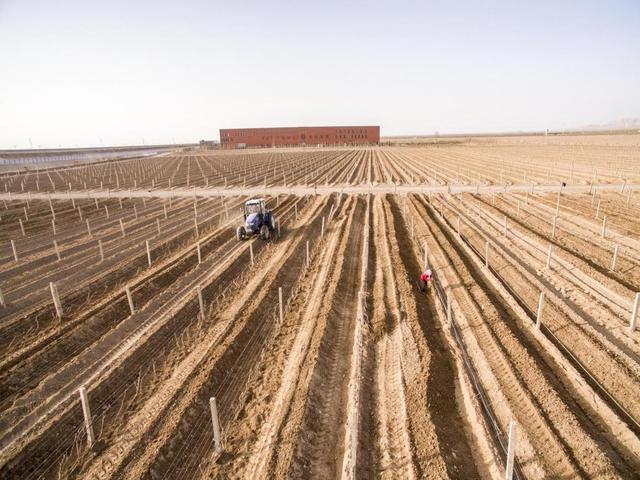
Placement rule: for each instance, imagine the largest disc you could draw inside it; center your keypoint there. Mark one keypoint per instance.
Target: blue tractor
(258, 220)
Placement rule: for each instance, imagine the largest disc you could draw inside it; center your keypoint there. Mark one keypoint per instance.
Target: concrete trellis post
(100, 251)
(199, 253)
(425, 260)
(135, 212)
(486, 254)
(597, 209)
(15, 252)
(615, 257)
(122, 228)
(55, 247)
(106, 211)
(164, 207)
(2, 302)
(148, 252)
(295, 207)
(362, 295)
(280, 305)
(200, 301)
(56, 299)
(603, 234)
(634, 313)
(129, 299)
(540, 307)
(322, 228)
(511, 451)
(216, 425)
(21, 227)
(88, 228)
(251, 253)
(86, 411)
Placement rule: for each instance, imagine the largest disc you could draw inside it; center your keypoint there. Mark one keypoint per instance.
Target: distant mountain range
(622, 124)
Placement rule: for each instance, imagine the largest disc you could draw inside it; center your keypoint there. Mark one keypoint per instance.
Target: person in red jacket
(425, 278)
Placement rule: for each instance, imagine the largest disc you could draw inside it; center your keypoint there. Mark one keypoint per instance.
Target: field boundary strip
(320, 189)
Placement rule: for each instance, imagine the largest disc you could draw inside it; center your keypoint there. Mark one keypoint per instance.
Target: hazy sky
(117, 72)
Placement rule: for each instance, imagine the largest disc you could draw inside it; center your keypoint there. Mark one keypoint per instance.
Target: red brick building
(290, 136)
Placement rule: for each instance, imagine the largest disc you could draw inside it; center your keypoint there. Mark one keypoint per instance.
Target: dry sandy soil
(357, 373)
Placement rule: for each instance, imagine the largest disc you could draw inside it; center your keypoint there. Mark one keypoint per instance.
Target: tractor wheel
(264, 232)
(241, 233)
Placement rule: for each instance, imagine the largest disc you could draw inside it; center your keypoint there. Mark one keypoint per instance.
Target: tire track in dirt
(353, 398)
(394, 449)
(320, 445)
(289, 431)
(285, 373)
(365, 465)
(441, 447)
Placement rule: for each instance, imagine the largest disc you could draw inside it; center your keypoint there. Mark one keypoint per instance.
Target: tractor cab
(254, 207)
